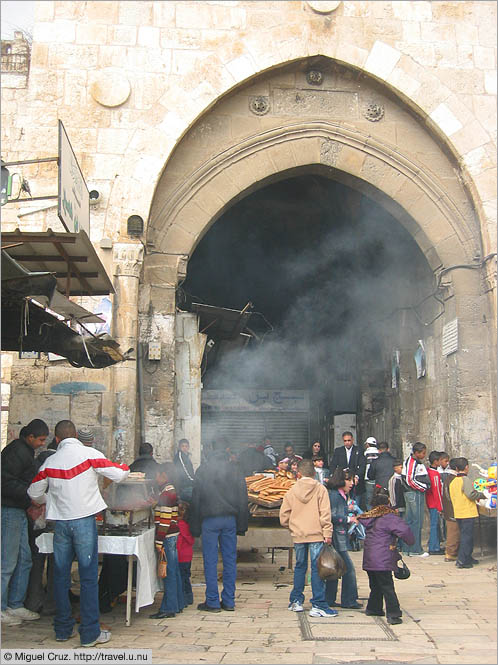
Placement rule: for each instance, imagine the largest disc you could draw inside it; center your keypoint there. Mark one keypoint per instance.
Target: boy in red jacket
(185, 551)
(434, 500)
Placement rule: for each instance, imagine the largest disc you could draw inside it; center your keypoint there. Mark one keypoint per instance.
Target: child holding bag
(383, 527)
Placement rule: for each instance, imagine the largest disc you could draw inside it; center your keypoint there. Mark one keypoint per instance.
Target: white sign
(74, 198)
(450, 337)
(255, 400)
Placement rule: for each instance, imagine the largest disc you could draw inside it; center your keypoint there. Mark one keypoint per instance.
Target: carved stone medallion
(314, 77)
(259, 105)
(374, 112)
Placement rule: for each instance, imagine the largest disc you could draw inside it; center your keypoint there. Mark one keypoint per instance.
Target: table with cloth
(142, 547)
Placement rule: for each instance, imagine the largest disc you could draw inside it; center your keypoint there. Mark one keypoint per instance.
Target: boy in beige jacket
(305, 510)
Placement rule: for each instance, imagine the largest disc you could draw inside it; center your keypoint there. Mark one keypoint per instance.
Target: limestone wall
(129, 79)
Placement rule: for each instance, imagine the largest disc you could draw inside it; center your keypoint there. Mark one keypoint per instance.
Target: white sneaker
(105, 636)
(296, 607)
(10, 619)
(318, 612)
(22, 613)
(422, 556)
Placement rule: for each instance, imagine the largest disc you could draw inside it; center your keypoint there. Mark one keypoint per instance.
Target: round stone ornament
(110, 87)
(323, 6)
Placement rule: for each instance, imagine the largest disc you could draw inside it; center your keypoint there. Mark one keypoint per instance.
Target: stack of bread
(269, 488)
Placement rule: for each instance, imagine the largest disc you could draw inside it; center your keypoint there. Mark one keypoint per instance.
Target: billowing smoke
(326, 266)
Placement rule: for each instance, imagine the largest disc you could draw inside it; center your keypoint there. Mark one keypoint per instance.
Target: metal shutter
(243, 427)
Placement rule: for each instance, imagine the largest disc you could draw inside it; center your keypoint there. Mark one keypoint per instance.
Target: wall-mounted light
(135, 225)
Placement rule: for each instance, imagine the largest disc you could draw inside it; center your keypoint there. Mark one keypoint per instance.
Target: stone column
(189, 349)
(127, 265)
(157, 324)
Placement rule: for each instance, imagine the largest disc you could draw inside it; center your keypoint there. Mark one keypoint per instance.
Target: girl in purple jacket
(383, 527)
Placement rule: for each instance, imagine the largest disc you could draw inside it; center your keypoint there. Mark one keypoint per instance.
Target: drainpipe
(141, 411)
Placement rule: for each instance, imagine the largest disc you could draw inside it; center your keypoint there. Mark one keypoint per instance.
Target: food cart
(265, 493)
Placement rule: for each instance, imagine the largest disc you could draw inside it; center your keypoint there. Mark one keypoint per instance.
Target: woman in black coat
(339, 486)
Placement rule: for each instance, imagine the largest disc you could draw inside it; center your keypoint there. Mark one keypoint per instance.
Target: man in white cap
(371, 453)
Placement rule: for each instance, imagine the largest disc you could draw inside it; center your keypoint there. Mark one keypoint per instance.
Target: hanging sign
(74, 198)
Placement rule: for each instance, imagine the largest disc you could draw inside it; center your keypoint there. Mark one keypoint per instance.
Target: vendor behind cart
(68, 483)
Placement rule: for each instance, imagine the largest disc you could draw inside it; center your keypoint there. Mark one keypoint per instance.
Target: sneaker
(227, 608)
(474, 561)
(464, 565)
(296, 606)
(65, 639)
(422, 555)
(394, 620)
(369, 613)
(10, 619)
(318, 612)
(22, 613)
(105, 636)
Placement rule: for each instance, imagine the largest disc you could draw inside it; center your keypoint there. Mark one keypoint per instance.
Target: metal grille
(339, 629)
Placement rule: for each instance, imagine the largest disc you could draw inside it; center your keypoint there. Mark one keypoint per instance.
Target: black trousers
(382, 588)
(466, 546)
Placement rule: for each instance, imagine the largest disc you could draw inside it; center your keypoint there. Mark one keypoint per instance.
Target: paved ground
(450, 616)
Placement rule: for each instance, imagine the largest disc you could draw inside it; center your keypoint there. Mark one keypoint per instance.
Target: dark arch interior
(328, 268)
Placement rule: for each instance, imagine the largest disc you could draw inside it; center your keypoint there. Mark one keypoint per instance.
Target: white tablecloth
(141, 546)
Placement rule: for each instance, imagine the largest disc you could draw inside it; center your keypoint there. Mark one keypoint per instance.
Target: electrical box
(154, 350)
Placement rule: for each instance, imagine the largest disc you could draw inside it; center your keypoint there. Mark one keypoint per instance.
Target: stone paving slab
(449, 617)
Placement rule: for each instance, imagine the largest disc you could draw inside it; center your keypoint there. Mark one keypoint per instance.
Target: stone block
(382, 59)
(413, 11)
(105, 11)
(484, 57)
(148, 36)
(135, 13)
(490, 82)
(122, 35)
(86, 408)
(50, 408)
(91, 33)
(113, 140)
(445, 120)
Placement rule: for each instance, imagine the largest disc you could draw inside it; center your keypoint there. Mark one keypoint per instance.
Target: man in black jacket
(219, 513)
(381, 469)
(18, 470)
(350, 457)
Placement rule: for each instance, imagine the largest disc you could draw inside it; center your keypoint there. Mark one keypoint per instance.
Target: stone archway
(420, 186)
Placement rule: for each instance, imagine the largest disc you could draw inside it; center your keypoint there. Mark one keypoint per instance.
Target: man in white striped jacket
(68, 483)
(416, 482)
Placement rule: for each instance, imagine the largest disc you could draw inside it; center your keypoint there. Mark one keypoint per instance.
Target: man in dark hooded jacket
(219, 512)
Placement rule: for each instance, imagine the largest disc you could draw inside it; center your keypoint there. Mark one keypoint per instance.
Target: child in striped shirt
(166, 520)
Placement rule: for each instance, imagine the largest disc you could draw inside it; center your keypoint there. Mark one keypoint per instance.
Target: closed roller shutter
(242, 427)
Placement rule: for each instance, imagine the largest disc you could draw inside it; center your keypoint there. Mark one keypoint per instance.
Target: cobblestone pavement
(449, 616)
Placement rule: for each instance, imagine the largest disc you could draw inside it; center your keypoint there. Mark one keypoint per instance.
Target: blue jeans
(414, 517)
(188, 595)
(317, 584)
(369, 490)
(173, 600)
(16, 557)
(76, 538)
(220, 530)
(349, 588)
(466, 526)
(434, 544)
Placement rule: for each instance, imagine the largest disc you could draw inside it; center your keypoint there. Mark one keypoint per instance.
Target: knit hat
(85, 435)
(372, 440)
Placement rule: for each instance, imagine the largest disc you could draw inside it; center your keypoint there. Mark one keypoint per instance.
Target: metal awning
(26, 323)
(70, 257)
(220, 322)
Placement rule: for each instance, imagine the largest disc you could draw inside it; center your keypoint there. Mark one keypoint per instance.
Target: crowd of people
(360, 495)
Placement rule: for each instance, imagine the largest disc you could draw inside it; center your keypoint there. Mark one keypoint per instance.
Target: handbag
(162, 565)
(401, 572)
